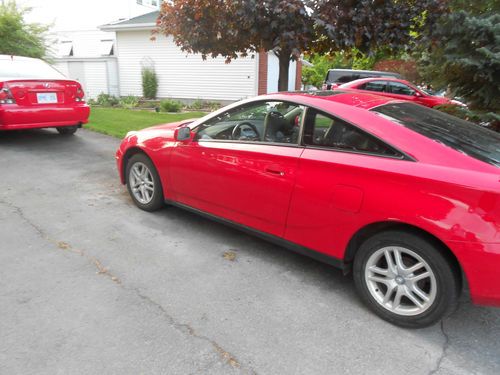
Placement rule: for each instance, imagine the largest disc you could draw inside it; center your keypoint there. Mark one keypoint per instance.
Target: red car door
(333, 174)
(241, 165)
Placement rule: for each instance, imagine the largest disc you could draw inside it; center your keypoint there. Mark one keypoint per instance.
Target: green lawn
(118, 121)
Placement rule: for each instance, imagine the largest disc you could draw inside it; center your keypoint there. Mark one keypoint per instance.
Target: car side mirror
(182, 134)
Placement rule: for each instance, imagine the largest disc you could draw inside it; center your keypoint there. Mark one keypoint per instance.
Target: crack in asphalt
(446, 345)
(225, 356)
(101, 270)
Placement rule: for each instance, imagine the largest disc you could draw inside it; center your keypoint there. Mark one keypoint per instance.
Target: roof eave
(134, 26)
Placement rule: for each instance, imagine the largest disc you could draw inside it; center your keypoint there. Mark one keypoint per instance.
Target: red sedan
(398, 89)
(405, 197)
(35, 95)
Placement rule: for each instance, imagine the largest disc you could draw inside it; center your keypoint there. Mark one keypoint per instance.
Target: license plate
(46, 97)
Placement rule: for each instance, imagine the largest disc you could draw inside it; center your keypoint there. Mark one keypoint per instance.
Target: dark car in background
(336, 77)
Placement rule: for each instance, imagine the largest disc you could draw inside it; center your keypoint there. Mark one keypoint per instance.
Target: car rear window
(463, 136)
(28, 69)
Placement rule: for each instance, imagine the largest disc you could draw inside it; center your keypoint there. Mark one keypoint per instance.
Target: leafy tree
(478, 7)
(315, 75)
(388, 26)
(464, 54)
(18, 37)
(235, 28)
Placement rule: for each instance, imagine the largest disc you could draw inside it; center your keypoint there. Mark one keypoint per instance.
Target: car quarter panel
(384, 189)
(481, 264)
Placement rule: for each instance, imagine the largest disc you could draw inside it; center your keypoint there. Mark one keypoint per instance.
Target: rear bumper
(481, 265)
(14, 117)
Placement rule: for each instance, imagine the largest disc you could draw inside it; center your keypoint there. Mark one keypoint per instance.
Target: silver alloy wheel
(141, 182)
(400, 280)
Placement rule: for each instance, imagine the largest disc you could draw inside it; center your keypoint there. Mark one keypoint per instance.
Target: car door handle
(275, 171)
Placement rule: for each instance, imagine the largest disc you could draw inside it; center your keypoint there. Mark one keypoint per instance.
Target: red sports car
(35, 95)
(398, 89)
(405, 197)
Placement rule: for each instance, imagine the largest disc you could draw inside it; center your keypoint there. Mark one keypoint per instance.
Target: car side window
(400, 89)
(379, 86)
(327, 131)
(272, 121)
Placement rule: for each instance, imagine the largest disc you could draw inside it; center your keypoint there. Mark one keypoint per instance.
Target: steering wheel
(236, 134)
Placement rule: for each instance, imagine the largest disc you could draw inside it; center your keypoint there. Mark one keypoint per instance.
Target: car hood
(158, 133)
(169, 126)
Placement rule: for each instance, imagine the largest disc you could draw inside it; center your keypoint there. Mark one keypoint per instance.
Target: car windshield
(466, 137)
(27, 69)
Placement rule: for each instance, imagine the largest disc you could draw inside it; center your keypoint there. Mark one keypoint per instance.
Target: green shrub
(106, 100)
(169, 105)
(150, 104)
(197, 105)
(129, 102)
(213, 106)
(149, 83)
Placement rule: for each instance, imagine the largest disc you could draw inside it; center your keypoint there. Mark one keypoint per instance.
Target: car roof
(348, 97)
(371, 79)
(355, 107)
(362, 71)
(13, 57)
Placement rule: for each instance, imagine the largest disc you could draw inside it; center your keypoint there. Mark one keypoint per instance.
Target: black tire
(67, 130)
(156, 202)
(445, 280)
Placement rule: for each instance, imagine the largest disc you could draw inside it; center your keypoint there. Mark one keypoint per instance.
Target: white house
(188, 76)
(88, 57)
(79, 49)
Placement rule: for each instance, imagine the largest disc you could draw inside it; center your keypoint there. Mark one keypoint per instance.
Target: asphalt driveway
(89, 284)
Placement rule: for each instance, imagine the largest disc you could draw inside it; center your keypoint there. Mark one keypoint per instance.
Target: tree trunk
(284, 59)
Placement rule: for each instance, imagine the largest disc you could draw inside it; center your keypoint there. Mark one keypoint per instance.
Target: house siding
(96, 75)
(181, 75)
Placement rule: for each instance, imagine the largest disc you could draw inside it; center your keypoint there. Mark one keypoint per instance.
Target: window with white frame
(148, 3)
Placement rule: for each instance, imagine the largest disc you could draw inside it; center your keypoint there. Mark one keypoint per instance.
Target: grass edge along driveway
(118, 121)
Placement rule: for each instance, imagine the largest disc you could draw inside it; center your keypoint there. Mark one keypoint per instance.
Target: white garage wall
(96, 75)
(273, 68)
(181, 75)
(96, 80)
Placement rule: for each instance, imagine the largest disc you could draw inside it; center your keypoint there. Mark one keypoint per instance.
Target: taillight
(80, 95)
(6, 96)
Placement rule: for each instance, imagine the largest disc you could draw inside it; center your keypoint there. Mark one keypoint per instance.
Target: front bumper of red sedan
(481, 265)
(15, 117)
